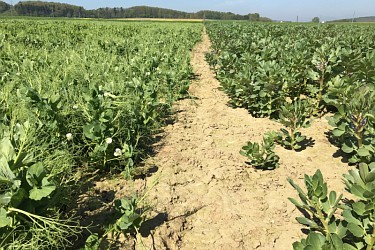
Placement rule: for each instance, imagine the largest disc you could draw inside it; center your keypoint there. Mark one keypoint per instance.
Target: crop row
(77, 98)
(294, 73)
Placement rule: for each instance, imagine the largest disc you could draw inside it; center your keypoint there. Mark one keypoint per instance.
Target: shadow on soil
(161, 218)
(152, 224)
(339, 153)
(307, 143)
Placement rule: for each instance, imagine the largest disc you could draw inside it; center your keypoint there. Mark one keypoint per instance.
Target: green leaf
(370, 177)
(363, 152)
(357, 178)
(298, 246)
(357, 190)
(341, 230)
(7, 150)
(336, 242)
(5, 198)
(93, 242)
(332, 228)
(363, 170)
(315, 241)
(307, 222)
(18, 197)
(356, 230)
(243, 153)
(313, 247)
(300, 138)
(347, 149)
(295, 202)
(313, 75)
(349, 247)
(40, 193)
(4, 219)
(35, 174)
(89, 132)
(332, 198)
(350, 218)
(6, 174)
(299, 190)
(284, 131)
(359, 208)
(338, 132)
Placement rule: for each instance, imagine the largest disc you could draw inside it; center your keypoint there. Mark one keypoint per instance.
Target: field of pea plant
(79, 99)
(294, 74)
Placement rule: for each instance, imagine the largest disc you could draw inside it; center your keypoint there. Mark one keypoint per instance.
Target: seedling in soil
(294, 116)
(262, 155)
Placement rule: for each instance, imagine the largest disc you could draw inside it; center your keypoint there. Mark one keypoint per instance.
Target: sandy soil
(206, 196)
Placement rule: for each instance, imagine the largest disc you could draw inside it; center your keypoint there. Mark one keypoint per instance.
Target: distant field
(161, 19)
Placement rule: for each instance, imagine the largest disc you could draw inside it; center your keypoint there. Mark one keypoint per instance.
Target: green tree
(254, 17)
(4, 6)
(316, 20)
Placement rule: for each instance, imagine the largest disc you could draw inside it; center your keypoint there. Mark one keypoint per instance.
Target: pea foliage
(79, 95)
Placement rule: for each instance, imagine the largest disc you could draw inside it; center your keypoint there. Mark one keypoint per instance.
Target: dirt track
(206, 197)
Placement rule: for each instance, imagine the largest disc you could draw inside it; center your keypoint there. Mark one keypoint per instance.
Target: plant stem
(371, 245)
(360, 141)
(321, 82)
(292, 137)
(323, 221)
(19, 152)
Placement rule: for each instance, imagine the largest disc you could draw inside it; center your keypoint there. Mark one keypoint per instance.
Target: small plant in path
(293, 116)
(262, 155)
(128, 218)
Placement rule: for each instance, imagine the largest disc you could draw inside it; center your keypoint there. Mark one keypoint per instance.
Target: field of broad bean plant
(294, 74)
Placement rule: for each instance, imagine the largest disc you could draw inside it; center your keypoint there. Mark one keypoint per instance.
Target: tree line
(51, 9)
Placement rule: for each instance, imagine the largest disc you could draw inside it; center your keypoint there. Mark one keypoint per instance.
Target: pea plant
(80, 100)
(128, 217)
(27, 191)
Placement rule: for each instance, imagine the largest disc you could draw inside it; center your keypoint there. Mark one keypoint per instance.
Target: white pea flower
(107, 94)
(75, 106)
(69, 136)
(118, 152)
(18, 125)
(108, 140)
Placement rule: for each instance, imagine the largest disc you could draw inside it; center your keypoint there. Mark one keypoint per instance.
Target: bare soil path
(206, 197)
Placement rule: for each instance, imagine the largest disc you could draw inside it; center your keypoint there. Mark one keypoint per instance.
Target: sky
(275, 9)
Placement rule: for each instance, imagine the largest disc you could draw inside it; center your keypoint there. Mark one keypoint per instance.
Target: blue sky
(275, 9)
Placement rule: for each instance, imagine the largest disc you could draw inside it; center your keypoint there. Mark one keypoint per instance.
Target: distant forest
(51, 9)
(357, 19)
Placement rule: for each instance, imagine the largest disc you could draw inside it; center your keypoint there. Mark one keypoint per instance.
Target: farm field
(80, 100)
(173, 136)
